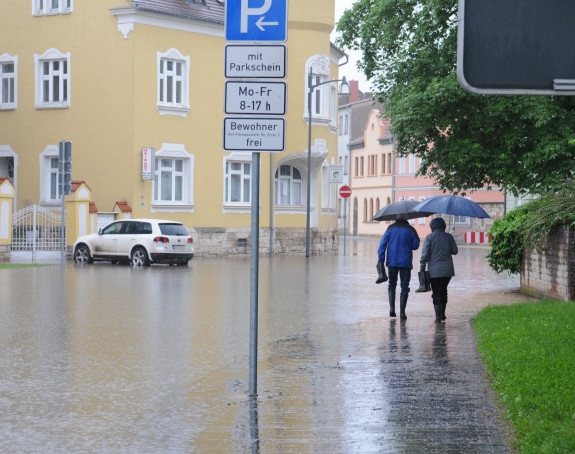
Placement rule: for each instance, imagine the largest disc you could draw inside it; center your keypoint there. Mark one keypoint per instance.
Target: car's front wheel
(140, 257)
(82, 254)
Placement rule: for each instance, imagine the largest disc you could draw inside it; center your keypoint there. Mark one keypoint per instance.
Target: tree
(465, 141)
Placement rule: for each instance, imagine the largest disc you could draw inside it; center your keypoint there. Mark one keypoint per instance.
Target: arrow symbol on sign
(260, 23)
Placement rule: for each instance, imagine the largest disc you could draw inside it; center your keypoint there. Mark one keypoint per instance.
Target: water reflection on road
(106, 358)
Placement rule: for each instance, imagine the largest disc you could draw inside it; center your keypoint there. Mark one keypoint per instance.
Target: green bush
(527, 226)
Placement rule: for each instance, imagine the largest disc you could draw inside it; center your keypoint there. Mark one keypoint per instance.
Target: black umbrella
(452, 204)
(400, 210)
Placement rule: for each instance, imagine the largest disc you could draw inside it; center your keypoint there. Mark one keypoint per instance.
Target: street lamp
(343, 90)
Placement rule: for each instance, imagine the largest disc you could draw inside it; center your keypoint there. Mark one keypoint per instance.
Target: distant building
(378, 177)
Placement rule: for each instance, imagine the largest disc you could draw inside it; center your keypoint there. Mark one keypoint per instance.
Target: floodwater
(113, 359)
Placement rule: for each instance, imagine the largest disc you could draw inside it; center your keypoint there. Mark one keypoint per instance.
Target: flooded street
(114, 359)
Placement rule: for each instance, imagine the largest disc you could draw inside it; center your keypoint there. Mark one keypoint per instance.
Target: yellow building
(118, 78)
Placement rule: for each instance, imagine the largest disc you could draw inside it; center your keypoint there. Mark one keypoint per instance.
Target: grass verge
(529, 350)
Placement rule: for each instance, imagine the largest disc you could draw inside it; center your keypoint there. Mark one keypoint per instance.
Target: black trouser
(439, 289)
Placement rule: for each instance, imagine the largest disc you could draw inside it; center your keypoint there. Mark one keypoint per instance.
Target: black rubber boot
(424, 285)
(381, 276)
(443, 317)
(391, 294)
(437, 308)
(402, 304)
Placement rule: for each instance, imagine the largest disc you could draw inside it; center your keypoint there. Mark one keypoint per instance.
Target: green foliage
(528, 226)
(528, 350)
(465, 141)
(508, 242)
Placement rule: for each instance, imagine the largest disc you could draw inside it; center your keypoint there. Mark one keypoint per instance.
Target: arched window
(364, 210)
(320, 100)
(377, 207)
(288, 185)
(370, 209)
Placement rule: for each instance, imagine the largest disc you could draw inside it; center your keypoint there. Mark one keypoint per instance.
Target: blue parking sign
(256, 20)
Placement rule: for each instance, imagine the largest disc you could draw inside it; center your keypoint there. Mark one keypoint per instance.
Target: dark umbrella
(452, 204)
(400, 210)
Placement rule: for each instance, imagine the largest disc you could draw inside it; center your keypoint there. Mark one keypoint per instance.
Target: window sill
(173, 110)
(291, 209)
(7, 107)
(52, 106)
(237, 207)
(172, 207)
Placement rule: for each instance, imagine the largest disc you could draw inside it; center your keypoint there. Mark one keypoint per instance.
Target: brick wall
(213, 242)
(551, 272)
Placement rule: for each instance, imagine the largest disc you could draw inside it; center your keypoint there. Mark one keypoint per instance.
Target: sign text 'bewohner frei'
(254, 134)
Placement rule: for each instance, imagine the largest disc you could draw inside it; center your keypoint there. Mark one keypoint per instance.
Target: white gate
(37, 229)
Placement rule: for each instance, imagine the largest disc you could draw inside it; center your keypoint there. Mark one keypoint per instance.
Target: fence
(37, 229)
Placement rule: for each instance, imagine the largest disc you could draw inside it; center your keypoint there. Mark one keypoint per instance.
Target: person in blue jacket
(399, 241)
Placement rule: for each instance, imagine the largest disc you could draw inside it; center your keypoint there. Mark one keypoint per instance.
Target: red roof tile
(123, 207)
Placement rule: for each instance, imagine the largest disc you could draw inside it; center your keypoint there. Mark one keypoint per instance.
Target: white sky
(350, 70)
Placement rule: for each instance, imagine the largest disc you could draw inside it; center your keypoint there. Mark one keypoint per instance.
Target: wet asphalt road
(113, 359)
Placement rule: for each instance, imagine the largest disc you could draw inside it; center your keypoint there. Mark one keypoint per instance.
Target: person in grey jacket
(437, 252)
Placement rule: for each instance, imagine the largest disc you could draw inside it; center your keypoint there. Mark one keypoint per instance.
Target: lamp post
(343, 89)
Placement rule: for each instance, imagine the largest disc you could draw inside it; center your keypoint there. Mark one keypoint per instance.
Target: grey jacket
(436, 253)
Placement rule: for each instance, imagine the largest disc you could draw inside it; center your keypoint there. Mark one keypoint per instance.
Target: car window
(113, 228)
(146, 227)
(174, 229)
(131, 228)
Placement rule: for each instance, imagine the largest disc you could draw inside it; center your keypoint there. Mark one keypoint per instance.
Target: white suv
(139, 241)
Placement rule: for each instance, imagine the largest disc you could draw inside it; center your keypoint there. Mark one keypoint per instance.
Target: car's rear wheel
(140, 257)
(82, 254)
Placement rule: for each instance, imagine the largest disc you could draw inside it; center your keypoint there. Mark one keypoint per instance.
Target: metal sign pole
(254, 270)
(344, 224)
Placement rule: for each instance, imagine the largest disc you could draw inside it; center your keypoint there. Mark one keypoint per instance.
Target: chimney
(353, 91)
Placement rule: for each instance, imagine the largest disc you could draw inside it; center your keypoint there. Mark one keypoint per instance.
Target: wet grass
(529, 349)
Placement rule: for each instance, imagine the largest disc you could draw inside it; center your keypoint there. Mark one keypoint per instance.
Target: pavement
(390, 386)
(131, 367)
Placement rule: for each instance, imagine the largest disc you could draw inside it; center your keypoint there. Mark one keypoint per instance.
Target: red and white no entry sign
(344, 191)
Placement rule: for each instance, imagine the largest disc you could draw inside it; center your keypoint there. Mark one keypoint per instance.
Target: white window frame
(320, 97)
(46, 172)
(52, 7)
(401, 166)
(243, 205)
(282, 180)
(181, 108)
(412, 164)
(8, 82)
(175, 151)
(63, 79)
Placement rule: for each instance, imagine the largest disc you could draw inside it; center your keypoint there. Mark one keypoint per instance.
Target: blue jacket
(399, 240)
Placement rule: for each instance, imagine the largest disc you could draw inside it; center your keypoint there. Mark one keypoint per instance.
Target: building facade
(378, 177)
(119, 78)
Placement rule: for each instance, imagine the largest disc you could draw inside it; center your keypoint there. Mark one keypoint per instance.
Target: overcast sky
(350, 70)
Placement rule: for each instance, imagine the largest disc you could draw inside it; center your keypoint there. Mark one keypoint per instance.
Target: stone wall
(550, 273)
(213, 242)
(4, 253)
